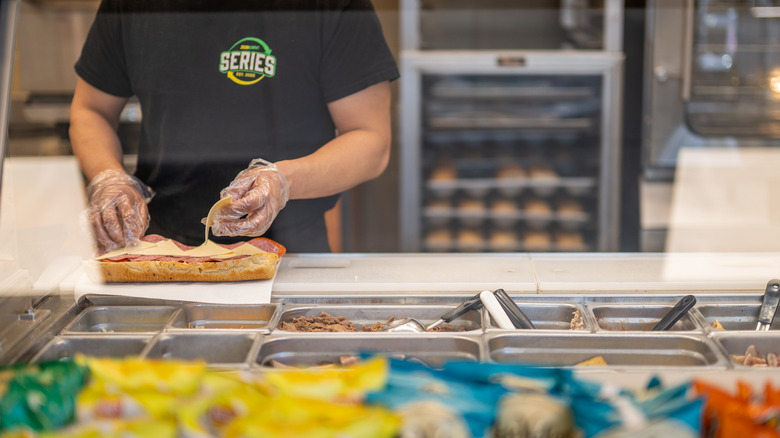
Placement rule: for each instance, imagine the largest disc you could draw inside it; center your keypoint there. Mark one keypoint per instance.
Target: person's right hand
(117, 209)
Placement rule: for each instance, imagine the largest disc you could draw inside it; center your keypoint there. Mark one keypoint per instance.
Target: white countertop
(407, 273)
(552, 273)
(467, 274)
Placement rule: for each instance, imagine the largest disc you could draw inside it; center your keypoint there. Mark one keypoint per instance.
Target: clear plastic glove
(117, 209)
(259, 194)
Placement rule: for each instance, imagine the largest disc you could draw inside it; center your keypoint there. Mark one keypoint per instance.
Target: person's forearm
(360, 153)
(95, 143)
(94, 119)
(348, 160)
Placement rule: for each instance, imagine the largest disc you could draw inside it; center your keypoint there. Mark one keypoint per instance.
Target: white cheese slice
(207, 249)
(210, 217)
(243, 249)
(137, 249)
(168, 248)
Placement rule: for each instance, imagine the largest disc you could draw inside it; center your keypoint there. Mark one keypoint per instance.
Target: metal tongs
(769, 305)
(413, 325)
(504, 311)
(518, 318)
(678, 311)
(473, 303)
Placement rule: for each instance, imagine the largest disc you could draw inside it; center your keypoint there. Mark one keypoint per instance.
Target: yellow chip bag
(344, 385)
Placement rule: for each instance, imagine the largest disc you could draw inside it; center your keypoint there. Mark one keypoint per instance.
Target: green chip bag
(41, 396)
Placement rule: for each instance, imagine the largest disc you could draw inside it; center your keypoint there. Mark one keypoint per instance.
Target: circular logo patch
(248, 61)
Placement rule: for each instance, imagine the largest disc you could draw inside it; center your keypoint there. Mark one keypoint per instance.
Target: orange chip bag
(743, 414)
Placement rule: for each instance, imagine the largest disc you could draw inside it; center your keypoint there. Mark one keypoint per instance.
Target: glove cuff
(259, 162)
(147, 192)
(119, 175)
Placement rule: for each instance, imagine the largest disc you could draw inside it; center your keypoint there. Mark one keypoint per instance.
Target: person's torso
(217, 89)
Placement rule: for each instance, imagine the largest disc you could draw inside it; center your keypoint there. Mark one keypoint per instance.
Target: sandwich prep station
(600, 314)
(583, 305)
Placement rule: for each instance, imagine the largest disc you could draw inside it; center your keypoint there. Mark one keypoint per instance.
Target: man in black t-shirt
(265, 101)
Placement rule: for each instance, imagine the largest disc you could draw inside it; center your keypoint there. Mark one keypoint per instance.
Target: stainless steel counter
(620, 296)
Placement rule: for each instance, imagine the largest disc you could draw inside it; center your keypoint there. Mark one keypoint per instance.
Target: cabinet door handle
(511, 61)
(687, 55)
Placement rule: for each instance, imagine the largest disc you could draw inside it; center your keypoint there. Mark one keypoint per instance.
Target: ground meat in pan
(326, 322)
(322, 323)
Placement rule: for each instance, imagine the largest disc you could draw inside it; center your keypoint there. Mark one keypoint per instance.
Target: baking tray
(737, 343)
(117, 346)
(471, 219)
(733, 317)
(260, 317)
(501, 92)
(617, 350)
(470, 322)
(639, 317)
(438, 216)
(311, 350)
(575, 186)
(476, 121)
(548, 317)
(507, 219)
(215, 348)
(121, 319)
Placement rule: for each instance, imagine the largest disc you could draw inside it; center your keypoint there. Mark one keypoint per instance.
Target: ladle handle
(681, 308)
(496, 311)
(473, 303)
(769, 305)
(515, 314)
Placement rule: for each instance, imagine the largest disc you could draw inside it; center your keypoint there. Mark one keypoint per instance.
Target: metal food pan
(639, 317)
(121, 319)
(737, 343)
(259, 317)
(367, 315)
(733, 316)
(315, 350)
(215, 348)
(616, 350)
(62, 347)
(548, 316)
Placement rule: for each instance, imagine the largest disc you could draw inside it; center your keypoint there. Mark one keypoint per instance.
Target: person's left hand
(259, 193)
(117, 209)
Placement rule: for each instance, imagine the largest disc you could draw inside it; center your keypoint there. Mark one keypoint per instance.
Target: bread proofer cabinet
(507, 149)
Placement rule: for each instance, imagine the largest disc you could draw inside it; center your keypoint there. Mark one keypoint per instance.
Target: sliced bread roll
(155, 260)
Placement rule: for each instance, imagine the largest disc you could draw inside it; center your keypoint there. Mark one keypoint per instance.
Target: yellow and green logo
(248, 61)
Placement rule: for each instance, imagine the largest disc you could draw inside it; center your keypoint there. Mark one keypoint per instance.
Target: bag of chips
(40, 397)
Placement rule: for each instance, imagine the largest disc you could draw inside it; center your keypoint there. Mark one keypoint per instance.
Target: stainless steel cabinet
(509, 149)
(510, 152)
(711, 78)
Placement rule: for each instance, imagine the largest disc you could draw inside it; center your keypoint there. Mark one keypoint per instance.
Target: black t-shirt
(221, 83)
